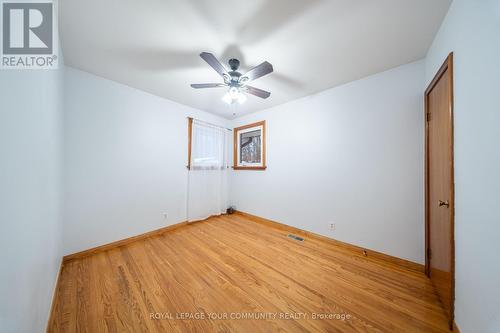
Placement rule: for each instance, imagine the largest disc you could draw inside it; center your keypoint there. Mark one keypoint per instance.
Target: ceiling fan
(237, 82)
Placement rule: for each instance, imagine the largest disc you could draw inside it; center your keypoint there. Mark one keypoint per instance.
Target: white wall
(125, 161)
(30, 224)
(351, 155)
(471, 30)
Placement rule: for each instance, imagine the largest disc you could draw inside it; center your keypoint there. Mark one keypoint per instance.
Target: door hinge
(428, 116)
(429, 253)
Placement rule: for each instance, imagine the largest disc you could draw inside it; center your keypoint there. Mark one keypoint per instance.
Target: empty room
(249, 166)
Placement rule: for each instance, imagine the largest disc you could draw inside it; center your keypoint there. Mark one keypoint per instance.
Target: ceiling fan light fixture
(234, 92)
(242, 98)
(234, 95)
(236, 81)
(227, 98)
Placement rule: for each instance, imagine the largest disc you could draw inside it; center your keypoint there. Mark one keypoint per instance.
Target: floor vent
(297, 238)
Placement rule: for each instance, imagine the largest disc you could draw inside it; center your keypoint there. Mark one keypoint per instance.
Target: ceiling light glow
(234, 92)
(234, 95)
(227, 98)
(242, 98)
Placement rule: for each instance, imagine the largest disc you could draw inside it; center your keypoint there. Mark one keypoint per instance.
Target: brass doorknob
(443, 203)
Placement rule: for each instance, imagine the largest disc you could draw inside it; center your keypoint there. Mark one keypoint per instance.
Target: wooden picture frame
(254, 157)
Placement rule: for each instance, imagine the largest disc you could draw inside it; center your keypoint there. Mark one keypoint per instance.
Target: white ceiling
(313, 44)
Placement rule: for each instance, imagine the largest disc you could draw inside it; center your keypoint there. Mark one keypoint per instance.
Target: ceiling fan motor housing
(234, 64)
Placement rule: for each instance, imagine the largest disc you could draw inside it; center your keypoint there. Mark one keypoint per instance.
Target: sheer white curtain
(208, 174)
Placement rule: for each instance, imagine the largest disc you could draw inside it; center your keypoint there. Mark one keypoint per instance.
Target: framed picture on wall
(250, 147)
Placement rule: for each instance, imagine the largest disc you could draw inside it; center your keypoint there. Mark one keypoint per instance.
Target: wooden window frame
(190, 135)
(235, 146)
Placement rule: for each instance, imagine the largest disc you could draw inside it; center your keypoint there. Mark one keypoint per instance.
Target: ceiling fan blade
(207, 85)
(256, 72)
(257, 92)
(215, 64)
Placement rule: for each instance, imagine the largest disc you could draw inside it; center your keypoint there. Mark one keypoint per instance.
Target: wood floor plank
(248, 279)
(318, 284)
(383, 289)
(266, 281)
(190, 278)
(319, 275)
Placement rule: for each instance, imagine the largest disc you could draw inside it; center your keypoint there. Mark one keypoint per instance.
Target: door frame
(447, 65)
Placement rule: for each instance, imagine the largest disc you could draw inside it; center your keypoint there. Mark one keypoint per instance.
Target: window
(250, 147)
(207, 146)
(208, 170)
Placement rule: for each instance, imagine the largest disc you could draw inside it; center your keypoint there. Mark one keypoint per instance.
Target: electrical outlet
(332, 226)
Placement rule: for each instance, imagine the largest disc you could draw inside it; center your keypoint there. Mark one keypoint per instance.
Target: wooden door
(439, 196)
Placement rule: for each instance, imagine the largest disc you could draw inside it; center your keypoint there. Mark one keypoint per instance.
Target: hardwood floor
(189, 279)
